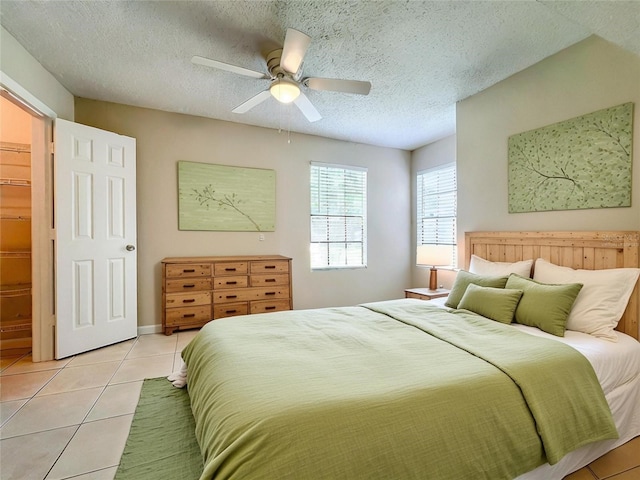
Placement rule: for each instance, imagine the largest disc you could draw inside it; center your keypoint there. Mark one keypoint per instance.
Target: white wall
(164, 138)
(24, 76)
(437, 153)
(586, 77)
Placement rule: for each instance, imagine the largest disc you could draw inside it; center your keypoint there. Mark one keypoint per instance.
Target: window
(338, 216)
(437, 207)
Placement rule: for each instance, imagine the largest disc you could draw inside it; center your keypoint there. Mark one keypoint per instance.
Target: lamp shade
(285, 91)
(434, 255)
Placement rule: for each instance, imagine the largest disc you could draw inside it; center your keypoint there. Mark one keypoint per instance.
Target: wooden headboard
(587, 250)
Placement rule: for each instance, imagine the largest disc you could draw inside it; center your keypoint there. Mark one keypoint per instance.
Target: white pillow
(601, 302)
(481, 266)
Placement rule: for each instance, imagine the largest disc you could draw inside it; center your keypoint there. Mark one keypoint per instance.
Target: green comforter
(390, 390)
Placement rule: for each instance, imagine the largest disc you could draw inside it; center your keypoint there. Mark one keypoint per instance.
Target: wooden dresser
(198, 289)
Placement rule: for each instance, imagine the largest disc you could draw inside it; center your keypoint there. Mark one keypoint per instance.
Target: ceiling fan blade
(294, 49)
(336, 85)
(252, 102)
(207, 62)
(307, 108)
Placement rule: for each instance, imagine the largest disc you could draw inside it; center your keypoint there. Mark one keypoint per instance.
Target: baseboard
(149, 329)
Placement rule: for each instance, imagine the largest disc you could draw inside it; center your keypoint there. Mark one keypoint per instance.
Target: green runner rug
(161, 443)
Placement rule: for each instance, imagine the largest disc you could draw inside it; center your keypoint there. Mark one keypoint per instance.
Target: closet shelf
(15, 182)
(15, 290)
(22, 324)
(15, 147)
(14, 254)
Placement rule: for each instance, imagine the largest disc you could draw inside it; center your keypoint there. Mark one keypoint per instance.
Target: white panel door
(95, 217)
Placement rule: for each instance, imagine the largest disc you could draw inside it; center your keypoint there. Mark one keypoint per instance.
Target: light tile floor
(70, 418)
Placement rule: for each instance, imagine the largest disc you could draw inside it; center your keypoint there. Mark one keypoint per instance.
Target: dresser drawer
(230, 268)
(269, 293)
(265, 306)
(188, 270)
(191, 299)
(230, 309)
(188, 285)
(239, 281)
(186, 315)
(249, 294)
(269, 280)
(272, 266)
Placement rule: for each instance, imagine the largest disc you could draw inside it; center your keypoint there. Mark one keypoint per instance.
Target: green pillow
(464, 279)
(543, 305)
(498, 304)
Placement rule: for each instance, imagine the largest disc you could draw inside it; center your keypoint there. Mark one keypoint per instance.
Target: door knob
(130, 248)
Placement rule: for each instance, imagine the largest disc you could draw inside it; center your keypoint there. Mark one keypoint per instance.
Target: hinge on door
(51, 148)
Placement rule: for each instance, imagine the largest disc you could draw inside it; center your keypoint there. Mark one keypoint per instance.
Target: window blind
(437, 207)
(338, 216)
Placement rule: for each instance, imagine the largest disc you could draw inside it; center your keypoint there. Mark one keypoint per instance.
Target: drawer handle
(269, 308)
(230, 311)
(191, 270)
(189, 285)
(229, 269)
(232, 283)
(188, 300)
(269, 266)
(232, 296)
(269, 293)
(188, 315)
(267, 280)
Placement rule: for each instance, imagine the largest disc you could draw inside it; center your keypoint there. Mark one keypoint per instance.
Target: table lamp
(434, 256)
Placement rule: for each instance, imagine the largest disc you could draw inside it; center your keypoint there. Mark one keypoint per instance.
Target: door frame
(43, 236)
(42, 219)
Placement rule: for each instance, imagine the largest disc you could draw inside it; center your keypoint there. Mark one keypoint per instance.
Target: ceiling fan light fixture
(285, 91)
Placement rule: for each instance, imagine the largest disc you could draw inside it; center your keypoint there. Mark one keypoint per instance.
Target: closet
(15, 231)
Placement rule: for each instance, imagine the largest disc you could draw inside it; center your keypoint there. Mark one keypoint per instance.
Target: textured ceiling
(420, 56)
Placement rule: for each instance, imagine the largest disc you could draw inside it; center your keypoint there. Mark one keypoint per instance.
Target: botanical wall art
(224, 198)
(584, 162)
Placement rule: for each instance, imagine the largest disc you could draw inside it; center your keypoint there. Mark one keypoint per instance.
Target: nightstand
(425, 293)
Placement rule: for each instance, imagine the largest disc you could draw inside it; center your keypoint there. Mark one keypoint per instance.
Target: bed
(412, 389)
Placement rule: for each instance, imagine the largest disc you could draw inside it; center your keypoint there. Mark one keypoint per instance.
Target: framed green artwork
(224, 198)
(584, 162)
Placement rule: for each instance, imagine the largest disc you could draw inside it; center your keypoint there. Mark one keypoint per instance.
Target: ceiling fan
(285, 72)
